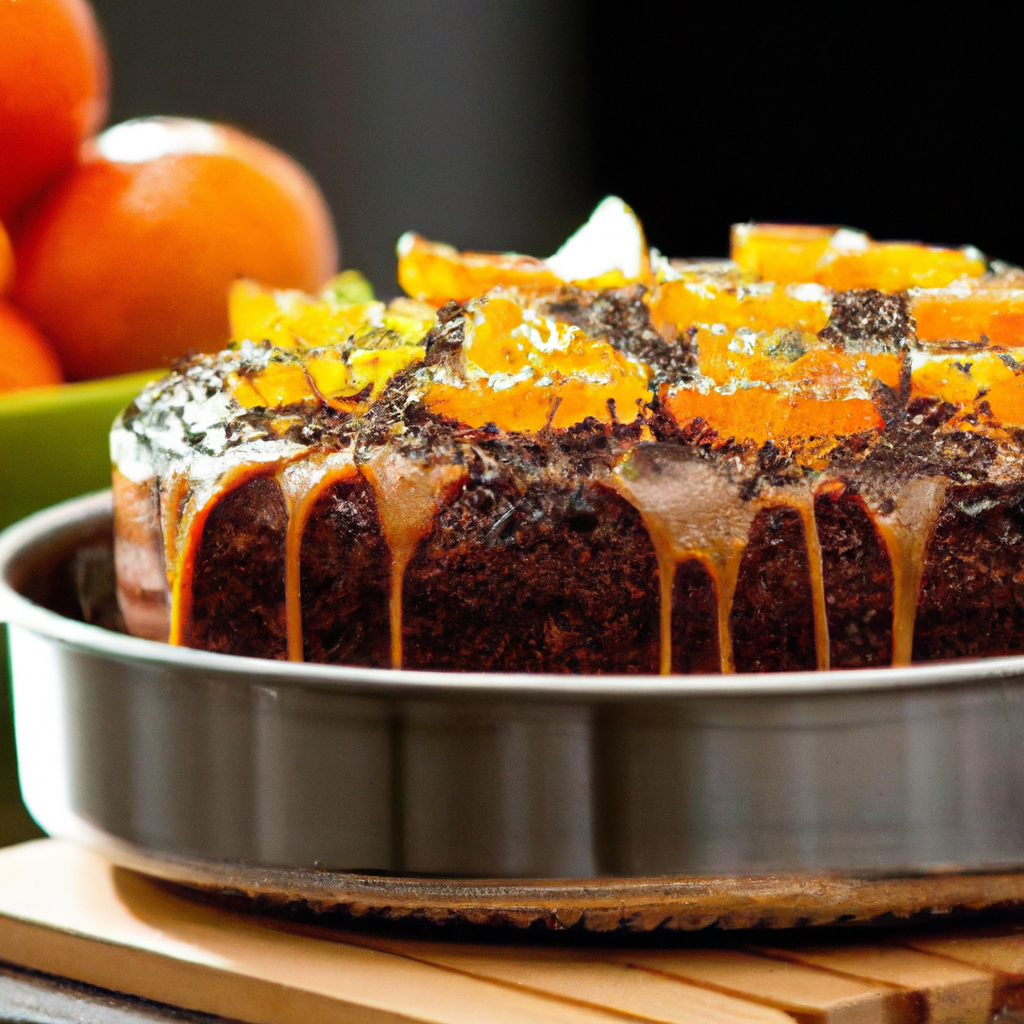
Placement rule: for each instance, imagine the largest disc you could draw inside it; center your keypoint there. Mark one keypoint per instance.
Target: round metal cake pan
(228, 771)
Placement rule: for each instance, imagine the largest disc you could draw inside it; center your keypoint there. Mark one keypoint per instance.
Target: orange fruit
(27, 359)
(6, 262)
(126, 266)
(53, 92)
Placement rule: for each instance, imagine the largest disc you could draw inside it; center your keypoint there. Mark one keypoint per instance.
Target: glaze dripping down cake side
(807, 456)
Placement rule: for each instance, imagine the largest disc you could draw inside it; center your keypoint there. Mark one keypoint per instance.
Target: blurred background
(498, 124)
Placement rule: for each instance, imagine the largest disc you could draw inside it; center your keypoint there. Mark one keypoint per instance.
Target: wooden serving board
(66, 911)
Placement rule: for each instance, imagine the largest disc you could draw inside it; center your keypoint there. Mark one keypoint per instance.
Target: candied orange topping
(1006, 401)
(988, 316)
(968, 379)
(609, 251)
(746, 355)
(331, 348)
(764, 370)
(526, 371)
(896, 266)
(436, 274)
(886, 367)
(692, 300)
(790, 355)
(345, 310)
(780, 252)
(278, 385)
(291, 319)
(760, 414)
(846, 259)
(328, 375)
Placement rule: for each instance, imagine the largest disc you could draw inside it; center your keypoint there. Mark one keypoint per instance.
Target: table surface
(67, 913)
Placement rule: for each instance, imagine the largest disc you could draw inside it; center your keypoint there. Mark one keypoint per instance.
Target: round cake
(810, 455)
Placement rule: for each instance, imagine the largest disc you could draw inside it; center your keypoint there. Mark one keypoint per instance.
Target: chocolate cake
(808, 456)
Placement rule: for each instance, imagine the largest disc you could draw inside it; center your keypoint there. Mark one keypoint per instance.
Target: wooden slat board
(66, 911)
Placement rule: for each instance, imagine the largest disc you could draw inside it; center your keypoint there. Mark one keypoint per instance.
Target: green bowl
(53, 445)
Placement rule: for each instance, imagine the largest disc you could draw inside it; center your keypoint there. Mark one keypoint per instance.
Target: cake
(808, 456)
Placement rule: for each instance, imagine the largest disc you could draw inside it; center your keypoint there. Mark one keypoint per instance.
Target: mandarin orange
(6, 262)
(126, 266)
(53, 93)
(27, 359)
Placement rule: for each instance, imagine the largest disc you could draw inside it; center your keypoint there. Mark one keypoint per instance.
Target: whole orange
(26, 358)
(53, 92)
(6, 262)
(126, 266)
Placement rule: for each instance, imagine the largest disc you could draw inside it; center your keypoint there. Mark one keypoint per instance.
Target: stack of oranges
(117, 249)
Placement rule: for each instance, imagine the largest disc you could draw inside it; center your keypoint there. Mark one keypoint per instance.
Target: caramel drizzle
(805, 506)
(691, 511)
(173, 493)
(907, 530)
(409, 494)
(694, 511)
(666, 583)
(302, 483)
(184, 533)
(725, 574)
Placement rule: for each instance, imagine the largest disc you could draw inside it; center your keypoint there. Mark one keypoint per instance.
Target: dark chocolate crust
(865, 317)
(972, 594)
(694, 620)
(238, 580)
(858, 582)
(772, 621)
(621, 316)
(346, 579)
(546, 577)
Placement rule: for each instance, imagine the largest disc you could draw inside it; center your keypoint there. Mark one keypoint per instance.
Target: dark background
(498, 125)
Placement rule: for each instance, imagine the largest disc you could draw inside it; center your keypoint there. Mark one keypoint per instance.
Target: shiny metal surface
(133, 745)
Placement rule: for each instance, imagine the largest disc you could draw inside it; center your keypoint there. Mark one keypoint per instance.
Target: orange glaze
(695, 511)
(409, 494)
(692, 511)
(907, 531)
